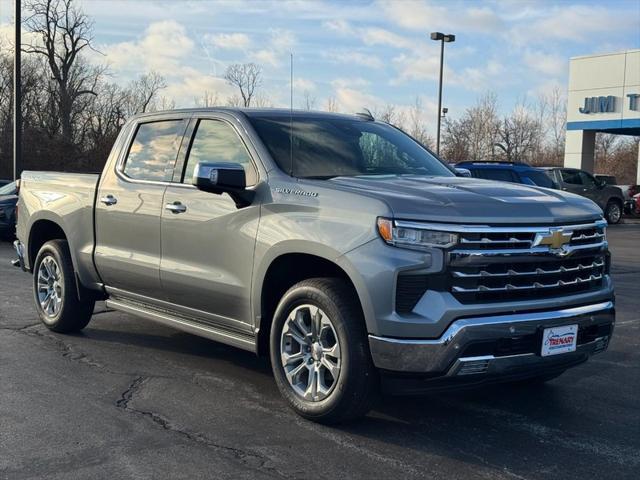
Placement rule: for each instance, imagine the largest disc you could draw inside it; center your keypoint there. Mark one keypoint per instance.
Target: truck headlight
(414, 237)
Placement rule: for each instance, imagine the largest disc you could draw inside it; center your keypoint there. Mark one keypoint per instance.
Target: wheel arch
(281, 273)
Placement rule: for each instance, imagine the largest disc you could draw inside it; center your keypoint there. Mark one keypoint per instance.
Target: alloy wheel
(310, 353)
(50, 287)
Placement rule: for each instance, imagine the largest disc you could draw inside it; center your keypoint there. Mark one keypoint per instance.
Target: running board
(245, 342)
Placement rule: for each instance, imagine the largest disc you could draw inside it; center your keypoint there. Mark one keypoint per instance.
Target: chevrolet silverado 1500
(337, 245)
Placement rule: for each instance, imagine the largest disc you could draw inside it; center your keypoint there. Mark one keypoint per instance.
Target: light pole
(448, 38)
(17, 95)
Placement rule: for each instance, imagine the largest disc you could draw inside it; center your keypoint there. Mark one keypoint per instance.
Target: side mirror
(222, 178)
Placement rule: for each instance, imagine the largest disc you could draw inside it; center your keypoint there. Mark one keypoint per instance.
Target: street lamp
(17, 95)
(448, 38)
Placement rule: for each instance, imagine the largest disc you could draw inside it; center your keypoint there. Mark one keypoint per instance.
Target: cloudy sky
(362, 53)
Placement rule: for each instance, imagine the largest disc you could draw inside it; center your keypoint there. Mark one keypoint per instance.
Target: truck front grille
(527, 263)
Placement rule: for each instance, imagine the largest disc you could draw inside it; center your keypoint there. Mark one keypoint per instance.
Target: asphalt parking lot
(127, 398)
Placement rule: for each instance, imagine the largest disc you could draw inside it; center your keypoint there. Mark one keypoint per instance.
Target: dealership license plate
(559, 340)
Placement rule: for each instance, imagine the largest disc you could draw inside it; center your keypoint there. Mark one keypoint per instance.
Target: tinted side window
(500, 175)
(216, 141)
(587, 180)
(154, 149)
(571, 177)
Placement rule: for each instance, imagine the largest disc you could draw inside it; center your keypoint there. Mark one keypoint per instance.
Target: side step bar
(244, 342)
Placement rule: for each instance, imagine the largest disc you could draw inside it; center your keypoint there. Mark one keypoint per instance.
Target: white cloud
(229, 41)
(572, 23)
(549, 64)
(417, 67)
(192, 84)
(352, 82)
(339, 25)
(425, 16)
(352, 100)
(281, 43)
(304, 84)
(162, 47)
(349, 57)
(380, 36)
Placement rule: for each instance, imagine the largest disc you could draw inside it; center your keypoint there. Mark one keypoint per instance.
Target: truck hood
(470, 200)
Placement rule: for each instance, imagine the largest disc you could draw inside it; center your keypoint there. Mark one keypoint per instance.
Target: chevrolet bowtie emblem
(556, 239)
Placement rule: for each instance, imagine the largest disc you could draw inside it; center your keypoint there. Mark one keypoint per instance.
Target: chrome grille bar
(534, 286)
(537, 271)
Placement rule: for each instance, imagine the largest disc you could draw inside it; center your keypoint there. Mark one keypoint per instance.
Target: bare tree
(208, 99)
(519, 134)
(331, 105)
(143, 93)
(474, 135)
(551, 110)
(234, 101)
(308, 101)
(416, 126)
(247, 77)
(63, 32)
(390, 114)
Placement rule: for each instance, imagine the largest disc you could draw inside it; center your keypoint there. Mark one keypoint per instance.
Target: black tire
(71, 315)
(537, 380)
(356, 386)
(613, 212)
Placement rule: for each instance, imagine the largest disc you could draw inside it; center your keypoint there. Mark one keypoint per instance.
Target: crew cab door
(581, 183)
(129, 206)
(207, 242)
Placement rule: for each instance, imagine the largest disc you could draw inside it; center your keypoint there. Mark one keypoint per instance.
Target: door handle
(176, 207)
(109, 200)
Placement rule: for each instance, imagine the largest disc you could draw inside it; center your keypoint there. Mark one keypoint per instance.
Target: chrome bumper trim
(439, 355)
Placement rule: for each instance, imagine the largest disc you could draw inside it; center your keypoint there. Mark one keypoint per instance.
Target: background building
(604, 96)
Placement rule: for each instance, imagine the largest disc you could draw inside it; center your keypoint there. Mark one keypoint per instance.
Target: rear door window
(571, 177)
(154, 149)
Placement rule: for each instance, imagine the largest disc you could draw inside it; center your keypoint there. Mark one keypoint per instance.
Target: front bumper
(494, 346)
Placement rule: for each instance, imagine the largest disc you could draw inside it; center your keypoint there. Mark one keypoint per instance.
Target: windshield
(8, 189)
(332, 147)
(542, 179)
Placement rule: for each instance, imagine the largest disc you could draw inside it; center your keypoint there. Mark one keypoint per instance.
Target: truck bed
(66, 199)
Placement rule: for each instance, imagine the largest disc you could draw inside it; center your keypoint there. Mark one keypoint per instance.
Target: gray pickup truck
(337, 245)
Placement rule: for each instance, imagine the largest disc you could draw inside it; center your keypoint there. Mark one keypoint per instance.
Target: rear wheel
(613, 212)
(55, 291)
(320, 354)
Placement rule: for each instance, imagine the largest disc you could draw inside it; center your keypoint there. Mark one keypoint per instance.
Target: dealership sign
(608, 104)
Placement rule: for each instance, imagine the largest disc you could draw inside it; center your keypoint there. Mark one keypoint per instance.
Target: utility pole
(448, 38)
(17, 94)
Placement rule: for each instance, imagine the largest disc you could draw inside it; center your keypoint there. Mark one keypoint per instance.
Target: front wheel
(613, 212)
(54, 288)
(320, 353)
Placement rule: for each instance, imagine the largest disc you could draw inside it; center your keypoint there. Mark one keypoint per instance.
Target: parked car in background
(8, 202)
(635, 204)
(4, 182)
(608, 197)
(509, 172)
(628, 192)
